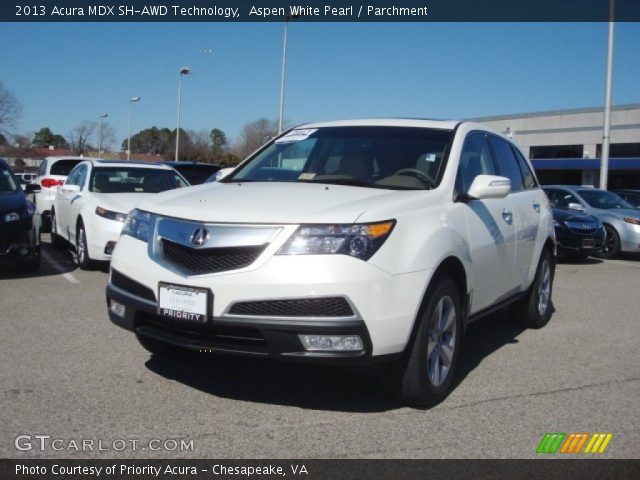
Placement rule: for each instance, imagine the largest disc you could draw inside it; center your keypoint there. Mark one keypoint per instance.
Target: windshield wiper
(351, 182)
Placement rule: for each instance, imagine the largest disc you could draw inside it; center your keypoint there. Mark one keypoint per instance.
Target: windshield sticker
(307, 176)
(430, 157)
(296, 135)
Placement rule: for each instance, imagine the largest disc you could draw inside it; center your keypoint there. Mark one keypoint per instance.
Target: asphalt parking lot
(67, 372)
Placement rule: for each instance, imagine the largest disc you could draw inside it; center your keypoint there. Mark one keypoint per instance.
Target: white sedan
(90, 208)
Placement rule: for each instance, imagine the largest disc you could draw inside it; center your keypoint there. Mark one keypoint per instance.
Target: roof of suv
(99, 163)
(386, 122)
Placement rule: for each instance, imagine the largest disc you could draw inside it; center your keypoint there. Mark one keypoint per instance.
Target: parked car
(24, 178)
(578, 235)
(621, 221)
(19, 227)
(90, 208)
(195, 172)
(220, 174)
(632, 197)
(355, 242)
(52, 174)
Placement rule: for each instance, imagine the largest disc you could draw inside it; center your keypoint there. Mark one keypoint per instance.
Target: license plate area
(588, 243)
(182, 302)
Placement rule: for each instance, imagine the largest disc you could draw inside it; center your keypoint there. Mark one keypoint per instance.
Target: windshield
(603, 199)
(406, 158)
(196, 174)
(134, 180)
(63, 167)
(8, 183)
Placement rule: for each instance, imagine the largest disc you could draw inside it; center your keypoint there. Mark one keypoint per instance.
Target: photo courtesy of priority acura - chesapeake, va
(350, 242)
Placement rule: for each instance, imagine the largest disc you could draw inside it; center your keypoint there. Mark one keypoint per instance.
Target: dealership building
(565, 145)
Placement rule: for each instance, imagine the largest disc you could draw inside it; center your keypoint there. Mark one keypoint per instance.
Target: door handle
(536, 207)
(507, 215)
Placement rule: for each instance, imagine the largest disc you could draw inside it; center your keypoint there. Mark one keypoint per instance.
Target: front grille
(210, 260)
(131, 286)
(304, 307)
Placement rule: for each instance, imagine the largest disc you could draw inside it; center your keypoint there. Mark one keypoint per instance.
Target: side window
(82, 176)
(475, 160)
(527, 174)
(507, 163)
(72, 179)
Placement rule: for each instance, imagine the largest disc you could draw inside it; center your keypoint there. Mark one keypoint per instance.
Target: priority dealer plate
(183, 302)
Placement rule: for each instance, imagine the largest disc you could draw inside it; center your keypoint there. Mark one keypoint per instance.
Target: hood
(12, 202)
(121, 202)
(560, 214)
(616, 212)
(269, 202)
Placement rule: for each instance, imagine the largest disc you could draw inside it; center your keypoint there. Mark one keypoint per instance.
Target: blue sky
(64, 73)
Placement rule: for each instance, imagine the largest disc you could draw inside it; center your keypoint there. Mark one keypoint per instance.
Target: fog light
(24, 252)
(332, 343)
(117, 308)
(108, 249)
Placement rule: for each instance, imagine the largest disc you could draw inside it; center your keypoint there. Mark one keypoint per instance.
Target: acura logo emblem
(199, 237)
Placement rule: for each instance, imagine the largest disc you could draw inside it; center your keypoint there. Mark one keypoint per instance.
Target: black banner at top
(319, 11)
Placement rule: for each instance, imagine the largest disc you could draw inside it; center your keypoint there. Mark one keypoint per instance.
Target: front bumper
(17, 244)
(101, 234)
(384, 306)
(572, 243)
(240, 335)
(630, 238)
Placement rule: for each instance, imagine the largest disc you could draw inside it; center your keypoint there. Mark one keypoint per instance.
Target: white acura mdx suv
(347, 242)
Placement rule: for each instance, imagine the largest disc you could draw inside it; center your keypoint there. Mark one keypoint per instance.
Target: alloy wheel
(81, 247)
(442, 341)
(544, 287)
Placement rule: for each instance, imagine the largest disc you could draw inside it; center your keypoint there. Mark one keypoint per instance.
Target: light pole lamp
(132, 100)
(102, 117)
(183, 71)
(283, 70)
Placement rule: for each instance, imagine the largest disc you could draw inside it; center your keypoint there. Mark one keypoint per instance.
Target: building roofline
(548, 113)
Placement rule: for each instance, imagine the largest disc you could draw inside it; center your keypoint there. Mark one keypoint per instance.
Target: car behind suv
(19, 238)
(351, 242)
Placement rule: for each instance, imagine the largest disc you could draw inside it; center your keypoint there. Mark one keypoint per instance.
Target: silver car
(621, 221)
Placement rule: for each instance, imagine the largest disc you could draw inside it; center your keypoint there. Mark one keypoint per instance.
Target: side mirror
(70, 188)
(576, 206)
(31, 188)
(489, 186)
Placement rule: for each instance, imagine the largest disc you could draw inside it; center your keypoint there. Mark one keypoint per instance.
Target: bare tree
(108, 136)
(80, 135)
(10, 110)
(254, 135)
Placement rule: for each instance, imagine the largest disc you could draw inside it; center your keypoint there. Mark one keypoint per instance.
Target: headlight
(111, 215)
(358, 240)
(12, 217)
(633, 221)
(139, 225)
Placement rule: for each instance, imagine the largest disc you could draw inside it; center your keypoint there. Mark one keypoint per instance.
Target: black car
(630, 196)
(578, 234)
(19, 239)
(195, 172)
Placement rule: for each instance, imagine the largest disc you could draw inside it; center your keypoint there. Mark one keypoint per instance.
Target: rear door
(526, 201)
(491, 230)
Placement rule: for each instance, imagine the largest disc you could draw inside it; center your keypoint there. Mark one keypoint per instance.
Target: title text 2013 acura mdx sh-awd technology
(352, 241)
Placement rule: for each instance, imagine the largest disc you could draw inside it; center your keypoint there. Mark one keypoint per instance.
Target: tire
(56, 240)
(534, 310)
(162, 349)
(82, 251)
(611, 246)
(423, 378)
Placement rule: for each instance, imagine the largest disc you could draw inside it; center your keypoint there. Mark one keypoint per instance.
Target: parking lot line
(68, 276)
(621, 262)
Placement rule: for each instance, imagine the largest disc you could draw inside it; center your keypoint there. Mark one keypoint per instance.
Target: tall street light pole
(102, 117)
(606, 135)
(183, 71)
(132, 100)
(283, 70)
